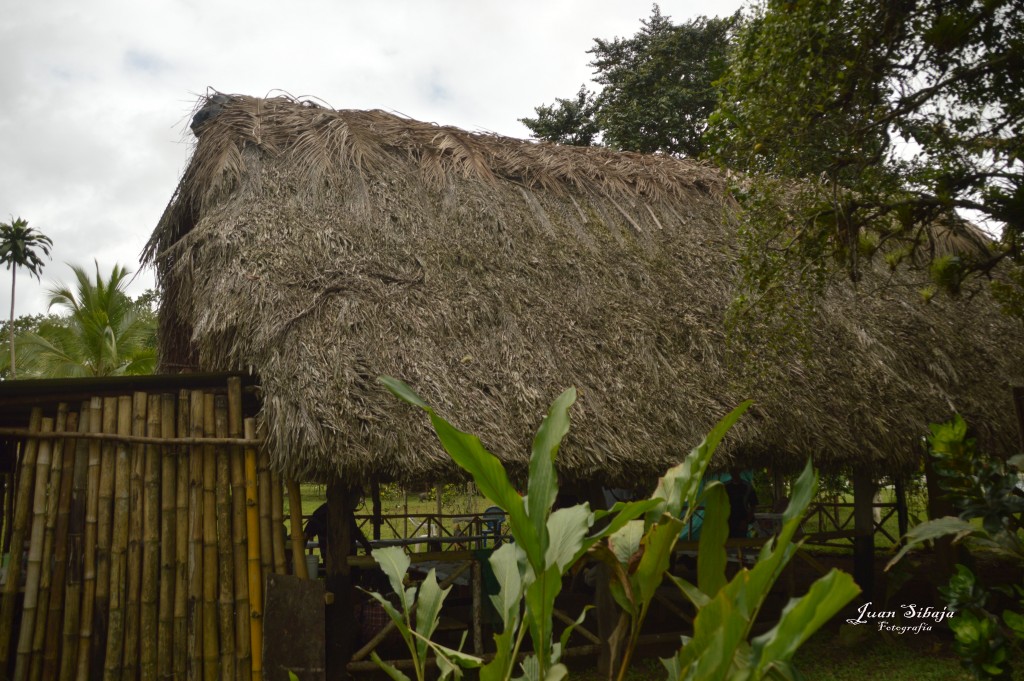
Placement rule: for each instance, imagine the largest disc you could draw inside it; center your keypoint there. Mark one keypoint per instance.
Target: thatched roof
(321, 249)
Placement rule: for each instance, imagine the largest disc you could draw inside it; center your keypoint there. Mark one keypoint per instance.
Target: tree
(104, 332)
(657, 90)
(19, 247)
(885, 125)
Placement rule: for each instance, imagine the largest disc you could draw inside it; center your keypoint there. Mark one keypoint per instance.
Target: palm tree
(18, 246)
(104, 332)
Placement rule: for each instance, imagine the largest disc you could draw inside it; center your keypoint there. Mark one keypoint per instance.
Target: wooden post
(864, 525)
(50, 581)
(239, 527)
(254, 552)
(225, 554)
(20, 527)
(266, 535)
(477, 585)
(194, 625)
(133, 595)
(211, 649)
(277, 518)
(899, 484)
(405, 513)
(72, 615)
(119, 545)
(182, 519)
(375, 500)
(168, 535)
(35, 555)
(152, 506)
(104, 528)
(295, 519)
(90, 544)
(341, 501)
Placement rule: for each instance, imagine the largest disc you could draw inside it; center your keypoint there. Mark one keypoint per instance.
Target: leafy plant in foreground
(981, 487)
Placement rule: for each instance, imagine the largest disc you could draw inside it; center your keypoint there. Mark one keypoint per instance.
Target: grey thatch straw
(323, 248)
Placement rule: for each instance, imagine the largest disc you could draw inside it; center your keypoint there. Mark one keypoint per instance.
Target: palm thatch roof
(321, 249)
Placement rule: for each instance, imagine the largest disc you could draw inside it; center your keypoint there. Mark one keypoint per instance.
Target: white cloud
(98, 94)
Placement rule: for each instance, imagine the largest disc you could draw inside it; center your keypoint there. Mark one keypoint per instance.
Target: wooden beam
(864, 541)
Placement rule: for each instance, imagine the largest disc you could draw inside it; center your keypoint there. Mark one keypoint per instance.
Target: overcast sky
(96, 95)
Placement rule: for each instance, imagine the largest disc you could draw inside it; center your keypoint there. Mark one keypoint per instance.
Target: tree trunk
(10, 328)
(341, 500)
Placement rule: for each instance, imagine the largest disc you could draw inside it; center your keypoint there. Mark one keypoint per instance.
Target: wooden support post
(477, 584)
(375, 500)
(341, 641)
(295, 519)
(899, 484)
(939, 506)
(864, 540)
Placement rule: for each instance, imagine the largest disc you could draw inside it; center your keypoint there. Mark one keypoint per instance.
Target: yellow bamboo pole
(243, 643)
(298, 544)
(225, 555)
(180, 648)
(277, 517)
(168, 534)
(35, 555)
(211, 652)
(266, 524)
(133, 595)
(119, 546)
(252, 518)
(151, 507)
(195, 547)
(22, 506)
(71, 615)
(104, 529)
(89, 544)
(46, 577)
(62, 495)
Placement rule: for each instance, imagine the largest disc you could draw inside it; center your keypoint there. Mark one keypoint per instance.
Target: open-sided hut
(321, 249)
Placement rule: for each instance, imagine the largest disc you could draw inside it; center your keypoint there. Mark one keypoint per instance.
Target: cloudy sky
(94, 122)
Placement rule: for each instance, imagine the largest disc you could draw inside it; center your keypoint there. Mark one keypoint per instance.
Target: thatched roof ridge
(323, 248)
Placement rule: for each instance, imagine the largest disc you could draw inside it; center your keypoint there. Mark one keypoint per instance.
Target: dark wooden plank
(293, 629)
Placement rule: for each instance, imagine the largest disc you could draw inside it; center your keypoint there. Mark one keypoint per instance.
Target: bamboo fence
(142, 531)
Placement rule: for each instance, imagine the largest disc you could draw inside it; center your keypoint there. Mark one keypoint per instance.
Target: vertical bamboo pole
(55, 615)
(168, 534)
(225, 555)
(104, 528)
(277, 518)
(35, 555)
(195, 547)
(252, 522)
(19, 528)
(295, 516)
(243, 643)
(119, 544)
(133, 596)
(211, 653)
(89, 544)
(180, 646)
(47, 585)
(151, 507)
(266, 525)
(75, 556)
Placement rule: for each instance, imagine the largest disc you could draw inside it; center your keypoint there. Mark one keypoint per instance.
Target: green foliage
(424, 604)
(657, 90)
(876, 117)
(546, 544)
(102, 333)
(981, 487)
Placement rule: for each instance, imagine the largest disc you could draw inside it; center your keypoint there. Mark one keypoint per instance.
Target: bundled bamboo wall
(143, 529)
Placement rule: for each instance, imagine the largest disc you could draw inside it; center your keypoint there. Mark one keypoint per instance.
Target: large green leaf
(429, 599)
(567, 528)
(802, 617)
(657, 553)
(931, 530)
(626, 542)
(505, 564)
(711, 556)
(540, 604)
(680, 484)
(542, 486)
(395, 563)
